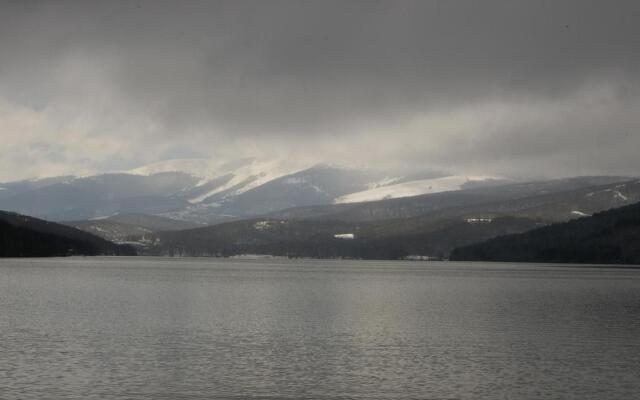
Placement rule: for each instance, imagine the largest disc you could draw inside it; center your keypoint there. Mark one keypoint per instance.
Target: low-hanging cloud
(502, 87)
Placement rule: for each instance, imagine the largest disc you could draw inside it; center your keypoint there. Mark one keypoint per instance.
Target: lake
(162, 328)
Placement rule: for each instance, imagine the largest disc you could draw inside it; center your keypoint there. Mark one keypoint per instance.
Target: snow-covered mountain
(319, 184)
(210, 190)
(219, 179)
(394, 189)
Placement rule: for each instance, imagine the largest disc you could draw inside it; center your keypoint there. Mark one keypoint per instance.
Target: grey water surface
(161, 328)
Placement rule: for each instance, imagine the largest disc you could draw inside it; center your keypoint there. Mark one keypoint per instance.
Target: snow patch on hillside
(383, 182)
(620, 195)
(206, 168)
(579, 213)
(411, 188)
(246, 174)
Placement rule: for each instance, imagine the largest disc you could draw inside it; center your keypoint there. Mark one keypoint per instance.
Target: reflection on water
(148, 328)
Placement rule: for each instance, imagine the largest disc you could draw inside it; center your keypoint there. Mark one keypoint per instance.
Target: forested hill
(22, 236)
(386, 239)
(608, 237)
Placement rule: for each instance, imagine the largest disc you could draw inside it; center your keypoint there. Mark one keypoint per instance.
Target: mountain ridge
(23, 236)
(204, 190)
(432, 229)
(607, 237)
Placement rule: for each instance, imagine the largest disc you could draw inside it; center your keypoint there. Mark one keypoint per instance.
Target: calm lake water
(145, 328)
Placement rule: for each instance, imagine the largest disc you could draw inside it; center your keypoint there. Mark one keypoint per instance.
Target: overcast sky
(512, 88)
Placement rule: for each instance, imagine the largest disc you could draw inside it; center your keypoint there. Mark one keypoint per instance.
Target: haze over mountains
(432, 122)
(494, 87)
(280, 207)
(205, 191)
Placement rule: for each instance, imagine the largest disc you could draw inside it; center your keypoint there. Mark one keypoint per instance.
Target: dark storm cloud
(394, 75)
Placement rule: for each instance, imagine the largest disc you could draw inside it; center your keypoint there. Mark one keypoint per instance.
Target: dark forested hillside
(389, 239)
(611, 237)
(22, 236)
(121, 228)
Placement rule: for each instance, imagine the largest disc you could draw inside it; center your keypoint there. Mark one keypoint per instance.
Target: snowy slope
(225, 178)
(208, 191)
(412, 188)
(221, 180)
(320, 184)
